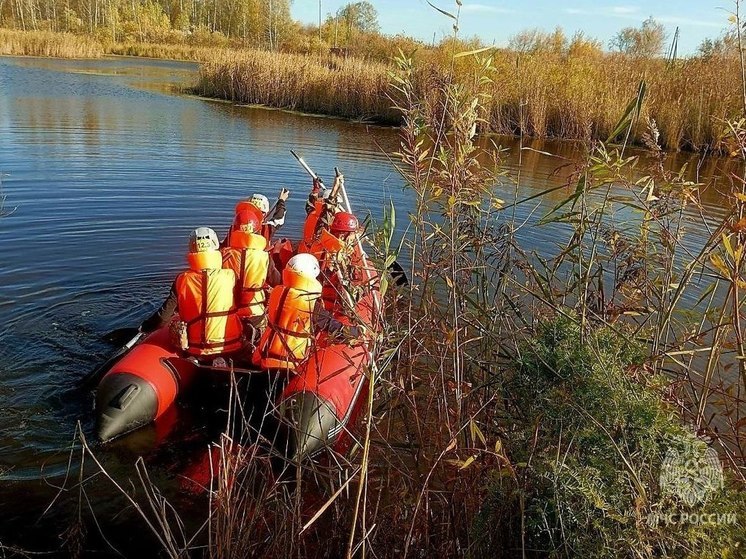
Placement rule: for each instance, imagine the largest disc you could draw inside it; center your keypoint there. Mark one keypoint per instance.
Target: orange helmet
(344, 222)
(247, 221)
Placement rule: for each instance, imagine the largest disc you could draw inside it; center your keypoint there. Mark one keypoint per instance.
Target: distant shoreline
(580, 97)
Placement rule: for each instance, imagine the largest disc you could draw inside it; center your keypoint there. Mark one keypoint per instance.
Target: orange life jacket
(324, 248)
(309, 227)
(205, 302)
(287, 339)
(247, 256)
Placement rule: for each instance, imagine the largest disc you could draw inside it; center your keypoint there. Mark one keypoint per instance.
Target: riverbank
(543, 95)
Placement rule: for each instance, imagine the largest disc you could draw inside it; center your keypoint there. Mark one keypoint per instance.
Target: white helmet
(305, 264)
(203, 239)
(260, 201)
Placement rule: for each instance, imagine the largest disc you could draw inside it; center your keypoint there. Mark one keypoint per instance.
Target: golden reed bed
(540, 95)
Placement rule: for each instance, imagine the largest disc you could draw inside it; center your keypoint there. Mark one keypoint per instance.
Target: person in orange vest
(203, 297)
(246, 254)
(290, 310)
(270, 221)
(321, 207)
(335, 250)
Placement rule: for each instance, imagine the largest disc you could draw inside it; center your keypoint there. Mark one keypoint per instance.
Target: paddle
(308, 169)
(95, 375)
(397, 272)
(120, 335)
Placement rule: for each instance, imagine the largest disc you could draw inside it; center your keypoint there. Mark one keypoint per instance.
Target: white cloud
(624, 10)
(484, 8)
(633, 13)
(676, 20)
(616, 11)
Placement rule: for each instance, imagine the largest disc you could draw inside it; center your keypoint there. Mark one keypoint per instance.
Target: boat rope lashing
(279, 333)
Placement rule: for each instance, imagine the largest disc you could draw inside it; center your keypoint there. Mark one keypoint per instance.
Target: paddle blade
(120, 336)
(398, 274)
(96, 374)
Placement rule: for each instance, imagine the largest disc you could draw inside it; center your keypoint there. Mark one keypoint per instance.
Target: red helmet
(344, 222)
(248, 221)
(247, 205)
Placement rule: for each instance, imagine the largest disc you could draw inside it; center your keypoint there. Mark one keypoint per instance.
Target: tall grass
(167, 51)
(334, 86)
(47, 43)
(68, 45)
(582, 97)
(540, 395)
(539, 95)
(574, 96)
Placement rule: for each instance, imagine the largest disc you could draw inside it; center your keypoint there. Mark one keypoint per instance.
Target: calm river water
(105, 170)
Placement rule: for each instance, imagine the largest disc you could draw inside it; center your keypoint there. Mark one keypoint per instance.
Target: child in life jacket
(271, 219)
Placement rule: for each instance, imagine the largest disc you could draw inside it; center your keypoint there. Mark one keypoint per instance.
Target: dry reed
(576, 97)
(348, 88)
(540, 95)
(46, 43)
(167, 51)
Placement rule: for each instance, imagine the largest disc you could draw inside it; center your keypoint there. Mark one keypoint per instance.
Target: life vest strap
(213, 345)
(288, 357)
(281, 330)
(251, 289)
(216, 314)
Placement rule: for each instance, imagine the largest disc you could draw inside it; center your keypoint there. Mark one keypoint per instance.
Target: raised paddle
(397, 272)
(308, 169)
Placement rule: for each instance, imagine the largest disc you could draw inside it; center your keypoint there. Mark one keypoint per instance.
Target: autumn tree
(722, 46)
(258, 23)
(644, 41)
(536, 40)
(582, 45)
(359, 16)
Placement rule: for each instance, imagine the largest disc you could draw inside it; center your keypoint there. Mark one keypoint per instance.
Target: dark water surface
(106, 169)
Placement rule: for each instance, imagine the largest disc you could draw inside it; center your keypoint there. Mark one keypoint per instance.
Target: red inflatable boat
(320, 401)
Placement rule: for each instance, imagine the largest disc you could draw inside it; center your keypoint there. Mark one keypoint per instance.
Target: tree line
(267, 24)
(256, 23)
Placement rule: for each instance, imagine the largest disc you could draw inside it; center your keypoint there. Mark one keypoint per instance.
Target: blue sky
(497, 20)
